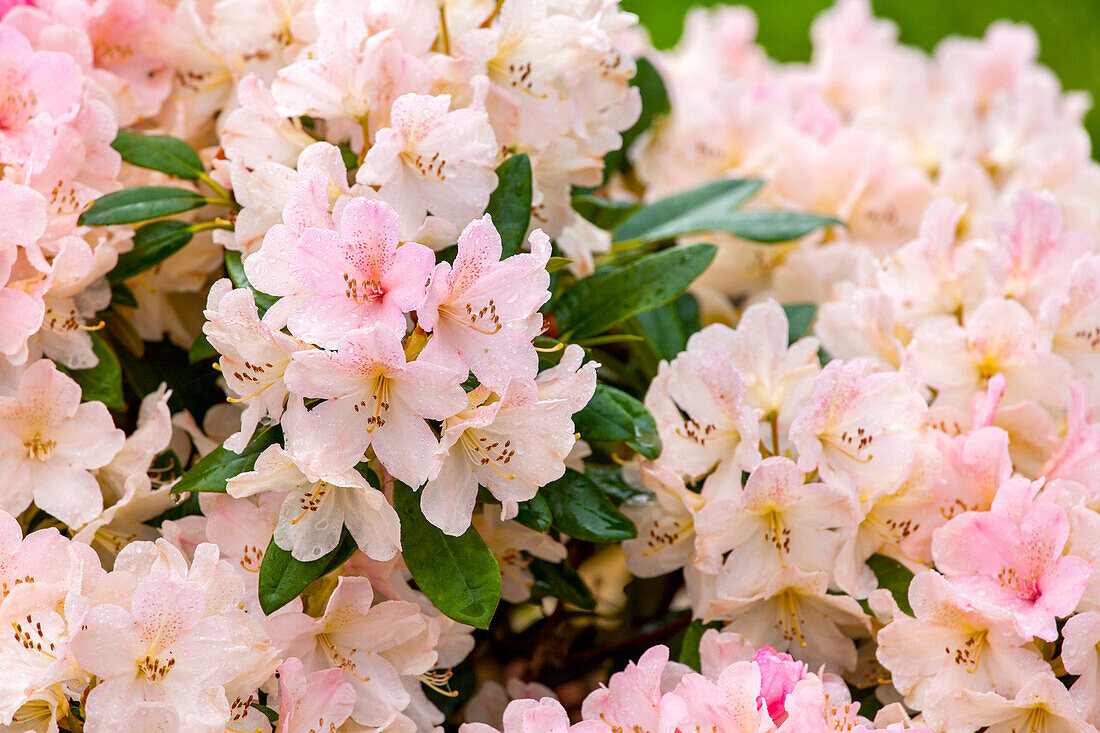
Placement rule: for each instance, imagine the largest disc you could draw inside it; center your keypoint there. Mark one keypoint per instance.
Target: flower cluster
(739, 689)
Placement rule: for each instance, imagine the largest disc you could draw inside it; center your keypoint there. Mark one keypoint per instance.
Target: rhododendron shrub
(397, 365)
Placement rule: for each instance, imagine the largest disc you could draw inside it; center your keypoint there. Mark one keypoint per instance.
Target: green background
(1069, 30)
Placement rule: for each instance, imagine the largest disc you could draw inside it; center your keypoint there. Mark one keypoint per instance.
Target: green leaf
(615, 293)
(582, 510)
(188, 507)
(510, 204)
(282, 578)
(689, 647)
(667, 329)
(213, 470)
(458, 574)
(103, 382)
(235, 268)
(535, 513)
(613, 416)
(153, 243)
(195, 390)
(557, 263)
(140, 204)
(894, 577)
(718, 216)
(122, 295)
(655, 103)
(272, 715)
(561, 581)
(610, 479)
(717, 196)
(201, 350)
(604, 213)
(800, 316)
(159, 153)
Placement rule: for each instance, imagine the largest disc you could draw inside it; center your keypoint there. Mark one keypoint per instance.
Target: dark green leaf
(583, 511)
(610, 479)
(235, 268)
(159, 153)
(122, 295)
(535, 513)
(613, 416)
(717, 196)
(458, 574)
(221, 464)
(140, 204)
(800, 316)
(667, 329)
(349, 156)
(201, 350)
(510, 204)
(193, 389)
(758, 226)
(153, 243)
(655, 103)
(604, 213)
(103, 382)
(561, 581)
(613, 294)
(689, 647)
(187, 507)
(894, 577)
(282, 578)
(272, 715)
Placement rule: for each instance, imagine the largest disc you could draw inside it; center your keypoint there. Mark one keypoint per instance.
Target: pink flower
(779, 673)
(163, 650)
(378, 399)
(511, 444)
(360, 274)
(321, 701)
(49, 441)
(433, 159)
(482, 311)
(1015, 564)
(32, 83)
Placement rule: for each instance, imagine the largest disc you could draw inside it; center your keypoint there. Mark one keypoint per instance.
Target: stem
(218, 223)
(492, 16)
(215, 187)
(444, 36)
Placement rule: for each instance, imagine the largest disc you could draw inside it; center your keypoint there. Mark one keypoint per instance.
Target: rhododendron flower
(1015, 564)
(483, 311)
(373, 644)
(253, 356)
(49, 443)
(378, 399)
(511, 542)
(323, 699)
(433, 159)
(511, 443)
(667, 537)
(859, 431)
(1043, 703)
(360, 274)
(163, 650)
(777, 521)
(326, 492)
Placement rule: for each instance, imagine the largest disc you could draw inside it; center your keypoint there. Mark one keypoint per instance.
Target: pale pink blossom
(323, 699)
(511, 443)
(377, 398)
(482, 311)
(50, 443)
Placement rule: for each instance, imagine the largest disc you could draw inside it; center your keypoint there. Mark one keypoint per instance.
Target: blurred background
(1069, 30)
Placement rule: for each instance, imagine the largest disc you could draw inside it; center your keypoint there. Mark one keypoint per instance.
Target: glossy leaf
(604, 213)
(510, 203)
(689, 645)
(282, 578)
(717, 196)
(159, 153)
(615, 293)
(103, 382)
(557, 263)
(213, 470)
(535, 513)
(153, 243)
(201, 349)
(561, 581)
(582, 510)
(458, 574)
(613, 416)
(667, 329)
(140, 204)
